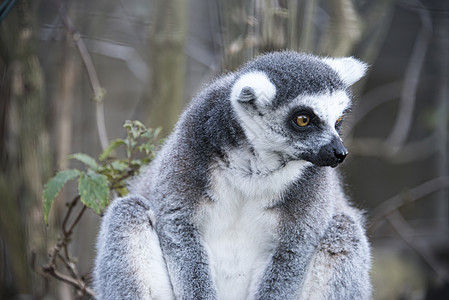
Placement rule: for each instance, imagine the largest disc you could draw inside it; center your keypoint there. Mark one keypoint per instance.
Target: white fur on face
(255, 126)
(327, 106)
(268, 132)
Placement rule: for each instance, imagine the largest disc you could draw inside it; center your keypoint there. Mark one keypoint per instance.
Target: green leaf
(134, 128)
(54, 186)
(122, 191)
(111, 147)
(120, 165)
(94, 191)
(86, 159)
(151, 134)
(157, 131)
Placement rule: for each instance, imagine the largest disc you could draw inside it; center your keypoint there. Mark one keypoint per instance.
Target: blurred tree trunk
(302, 14)
(344, 29)
(24, 151)
(234, 22)
(167, 62)
(252, 27)
(259, 26)
(69, 69)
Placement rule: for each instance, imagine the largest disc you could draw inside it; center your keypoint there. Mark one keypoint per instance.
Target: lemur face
(294, 120)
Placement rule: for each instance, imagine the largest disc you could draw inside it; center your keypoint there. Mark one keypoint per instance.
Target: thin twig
(48, 271)
(50, 268)
(72, 270)
(407, 153)
(68, 233)
(373, 99)
(127, 175)
(71, 205)
(93, 78)
(62, 277)
(395, 202)
(78, 218)
(405, 231)
(408, 94)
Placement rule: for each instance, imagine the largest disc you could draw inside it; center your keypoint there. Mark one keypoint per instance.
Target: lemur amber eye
(339, 121)
(302, 120)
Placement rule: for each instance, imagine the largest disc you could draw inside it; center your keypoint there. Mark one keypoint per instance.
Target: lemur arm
(129, 262)
(134, 262)
(185, 256)
(286, 271)
(339, 269)
(334, 267)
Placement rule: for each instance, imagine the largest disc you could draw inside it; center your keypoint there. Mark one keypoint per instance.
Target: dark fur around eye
(339, 123)
(303, 111)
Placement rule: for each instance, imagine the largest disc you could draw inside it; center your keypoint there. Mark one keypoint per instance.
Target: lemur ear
(253, 88)
(349, 69)
(247, 95)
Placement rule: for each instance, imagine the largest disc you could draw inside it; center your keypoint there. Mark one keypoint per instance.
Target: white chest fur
(238, 228)
(240, 238)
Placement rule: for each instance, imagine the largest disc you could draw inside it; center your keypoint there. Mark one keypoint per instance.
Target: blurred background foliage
(71, 73)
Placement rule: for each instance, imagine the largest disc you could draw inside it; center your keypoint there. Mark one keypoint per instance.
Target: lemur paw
(133, 210)
(342, 236)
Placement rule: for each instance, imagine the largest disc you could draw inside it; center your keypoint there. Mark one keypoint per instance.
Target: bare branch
(48, 271)
(389, 206)
(70, 206)
(408, 94)
(72, 270)
(98, 91)
(382, 149)
(78, 218)
(405, 231)
(373, 99)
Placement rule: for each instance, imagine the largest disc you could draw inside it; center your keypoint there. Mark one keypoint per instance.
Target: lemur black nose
(340, 153)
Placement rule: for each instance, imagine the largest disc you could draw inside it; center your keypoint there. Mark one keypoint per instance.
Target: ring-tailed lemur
(242, 202)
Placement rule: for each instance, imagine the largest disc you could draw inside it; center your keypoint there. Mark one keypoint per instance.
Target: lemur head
(292, 104)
